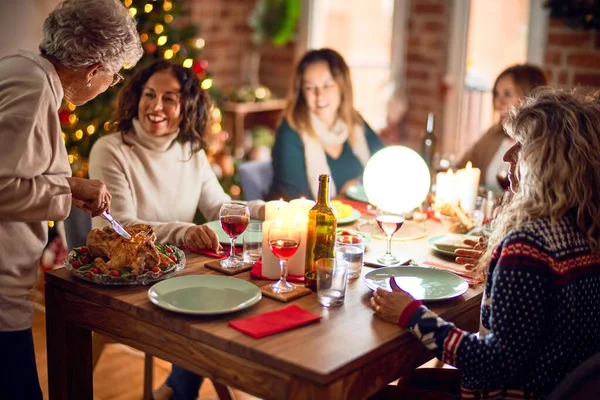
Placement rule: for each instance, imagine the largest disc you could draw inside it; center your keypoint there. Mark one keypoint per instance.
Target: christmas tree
(165, 33)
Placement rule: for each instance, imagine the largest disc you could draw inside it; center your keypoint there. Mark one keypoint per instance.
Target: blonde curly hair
(558, 165)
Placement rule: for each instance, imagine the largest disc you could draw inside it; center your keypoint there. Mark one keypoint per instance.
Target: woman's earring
(89, 84)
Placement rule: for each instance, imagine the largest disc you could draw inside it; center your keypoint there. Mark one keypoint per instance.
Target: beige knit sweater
(153, 180)
(33, 172)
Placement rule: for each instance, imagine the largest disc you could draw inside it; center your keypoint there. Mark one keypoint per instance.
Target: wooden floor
(120, 370)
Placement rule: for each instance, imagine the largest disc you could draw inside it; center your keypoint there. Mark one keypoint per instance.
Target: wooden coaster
(285, 297)
(216, 265)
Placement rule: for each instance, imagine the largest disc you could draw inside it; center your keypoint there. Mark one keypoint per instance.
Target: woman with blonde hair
(540, 315)
(85, 44)
(321, 132)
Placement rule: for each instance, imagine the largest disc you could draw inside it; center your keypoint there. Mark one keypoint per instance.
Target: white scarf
(314, 151)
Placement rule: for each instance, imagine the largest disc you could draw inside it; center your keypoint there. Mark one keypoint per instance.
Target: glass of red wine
(389, 223)
(284, 239)
(234, 217)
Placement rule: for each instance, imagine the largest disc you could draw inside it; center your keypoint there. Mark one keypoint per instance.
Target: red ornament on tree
(63, 116)
(199, 67)
(149, 47)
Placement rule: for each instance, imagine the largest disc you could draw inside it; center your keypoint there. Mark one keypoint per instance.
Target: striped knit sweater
(540, 316)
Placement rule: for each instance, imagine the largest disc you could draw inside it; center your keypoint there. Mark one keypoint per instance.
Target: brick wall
(224, 26)
(572, 56)
(426, 57)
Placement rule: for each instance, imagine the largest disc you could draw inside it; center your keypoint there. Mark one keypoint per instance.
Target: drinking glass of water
(332, 279)
(252, 242)
(350, 248)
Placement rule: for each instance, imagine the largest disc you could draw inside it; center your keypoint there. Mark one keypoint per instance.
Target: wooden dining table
(349, 354)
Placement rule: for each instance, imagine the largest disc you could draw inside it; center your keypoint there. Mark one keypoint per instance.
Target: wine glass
(502, 178)
(284, 239)
(389, 222)
(234, 217)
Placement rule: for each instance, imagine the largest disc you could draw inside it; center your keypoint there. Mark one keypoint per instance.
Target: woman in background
(540, 314)
(321, 132)
(158, 173)
(85, 44)
(509, 88)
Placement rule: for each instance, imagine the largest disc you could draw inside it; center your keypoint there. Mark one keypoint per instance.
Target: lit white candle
(302, 206)
(299, 209)
(467, 183)
(444, 188)
(270, 263)
(276, 209)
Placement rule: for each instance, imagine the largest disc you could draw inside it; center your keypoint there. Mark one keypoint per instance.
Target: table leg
(69, 351)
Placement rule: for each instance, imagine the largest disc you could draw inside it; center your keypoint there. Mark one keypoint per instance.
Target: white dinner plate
(204, 294)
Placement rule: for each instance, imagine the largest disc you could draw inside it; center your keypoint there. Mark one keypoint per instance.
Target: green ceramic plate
(354, 216)
(357, 193)
(223, 237)
(204, 294)
(431, 243)
(421, 282)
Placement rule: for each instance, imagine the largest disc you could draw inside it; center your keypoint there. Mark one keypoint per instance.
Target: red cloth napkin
(272, 322)
(212, 253)
(363, 208)
(256, 273)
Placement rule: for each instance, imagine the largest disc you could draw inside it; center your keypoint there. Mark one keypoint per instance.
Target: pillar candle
(444, 188)
(299, 209)
(301, 206)
(270, 263)
(276, 209)
(467, 183)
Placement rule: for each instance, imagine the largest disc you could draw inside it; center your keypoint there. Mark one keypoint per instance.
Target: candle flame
(469, 165)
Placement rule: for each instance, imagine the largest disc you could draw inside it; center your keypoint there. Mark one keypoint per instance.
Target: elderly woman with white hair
(85, 44)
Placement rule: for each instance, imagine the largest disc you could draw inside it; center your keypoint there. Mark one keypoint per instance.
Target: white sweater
(153, 180)
(33, 172)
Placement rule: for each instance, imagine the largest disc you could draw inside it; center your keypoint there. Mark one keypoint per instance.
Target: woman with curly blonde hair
(540, 315)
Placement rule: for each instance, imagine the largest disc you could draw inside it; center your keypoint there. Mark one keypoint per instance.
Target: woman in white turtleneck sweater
(158, 173)
(156, 168)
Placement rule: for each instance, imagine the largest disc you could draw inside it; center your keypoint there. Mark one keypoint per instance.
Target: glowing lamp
(396, 179)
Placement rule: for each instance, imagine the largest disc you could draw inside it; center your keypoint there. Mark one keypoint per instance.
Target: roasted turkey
(113, 252)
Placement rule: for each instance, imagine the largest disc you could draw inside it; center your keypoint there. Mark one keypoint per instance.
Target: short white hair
(80, 33)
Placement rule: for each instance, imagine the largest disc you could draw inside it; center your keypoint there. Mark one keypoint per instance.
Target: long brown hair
(296, 111)
(195, 103)
(526, 77)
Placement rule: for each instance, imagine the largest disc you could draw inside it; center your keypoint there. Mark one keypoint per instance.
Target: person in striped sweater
(540, 314)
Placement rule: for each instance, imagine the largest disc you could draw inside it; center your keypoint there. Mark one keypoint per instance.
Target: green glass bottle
(320, 238)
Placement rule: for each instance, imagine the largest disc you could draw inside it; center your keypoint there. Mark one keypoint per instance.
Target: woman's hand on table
(470, 257)
(390, 305)
(90, 195)
(202, 237)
